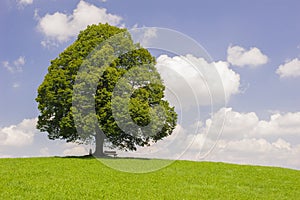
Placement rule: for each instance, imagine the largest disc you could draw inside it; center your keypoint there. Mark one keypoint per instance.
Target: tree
(105, 86)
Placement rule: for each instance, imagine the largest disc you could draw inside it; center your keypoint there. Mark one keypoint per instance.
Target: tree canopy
(105, 86)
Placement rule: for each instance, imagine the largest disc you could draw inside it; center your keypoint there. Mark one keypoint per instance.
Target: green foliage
(105, 80)
(78, 178)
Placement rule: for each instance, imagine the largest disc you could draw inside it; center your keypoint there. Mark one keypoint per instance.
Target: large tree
(103, 86)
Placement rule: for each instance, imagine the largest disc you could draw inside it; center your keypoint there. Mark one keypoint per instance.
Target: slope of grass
(87, 178)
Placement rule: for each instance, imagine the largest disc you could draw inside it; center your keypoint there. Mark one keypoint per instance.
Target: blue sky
(257, 43)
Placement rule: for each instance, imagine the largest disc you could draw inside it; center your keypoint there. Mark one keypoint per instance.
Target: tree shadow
(101, 157)
(78, 157)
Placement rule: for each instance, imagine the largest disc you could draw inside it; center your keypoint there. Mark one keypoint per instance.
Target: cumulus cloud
(247, 139)
(289, 69)
(15, 66)
(280, 125)
(18, 135)
(22, 3)
(73, 149)
(60, 27)
(237, 125)
(143, 35)
(44, 151)
(248, 125)
(194, 81)
(240, 57)
(282, 144)
(257, 152)
(171, 147)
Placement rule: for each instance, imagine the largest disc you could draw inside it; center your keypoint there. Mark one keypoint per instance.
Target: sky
(254, 46)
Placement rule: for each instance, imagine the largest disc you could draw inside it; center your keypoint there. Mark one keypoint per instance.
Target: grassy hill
(87, 178)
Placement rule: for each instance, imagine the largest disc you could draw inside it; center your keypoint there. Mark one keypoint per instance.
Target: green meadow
(88, 178)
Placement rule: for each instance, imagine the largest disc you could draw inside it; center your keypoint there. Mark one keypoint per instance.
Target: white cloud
(22, 3)
(73, 149)
(15, 66)
(44, 151)
(16, 85)
(238, 56)
(193, 81)
(249, 140)
(60, 27)
(170, 147)
(243, 140)
(248, 125)
(289, 69)
(143, 35)
(18, 135)
(5, 155)
(257, 152)
(282, 144)
(149, 34)
(280, 125)
(237, 125)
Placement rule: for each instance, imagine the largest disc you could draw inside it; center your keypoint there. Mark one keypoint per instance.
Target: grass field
(87, 178)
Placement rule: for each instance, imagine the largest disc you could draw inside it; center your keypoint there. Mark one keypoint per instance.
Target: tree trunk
(99, 140)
